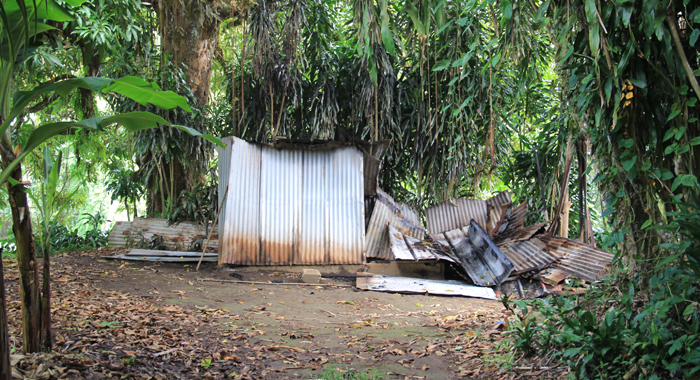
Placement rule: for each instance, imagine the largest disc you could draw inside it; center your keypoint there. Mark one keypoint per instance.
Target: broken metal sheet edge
(409, 248)
(416, 285)
(485, 264)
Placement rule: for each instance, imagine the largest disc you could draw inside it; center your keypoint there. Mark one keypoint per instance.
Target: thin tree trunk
(5, 370)
(564, 218)
(47, 338)
(30, 299)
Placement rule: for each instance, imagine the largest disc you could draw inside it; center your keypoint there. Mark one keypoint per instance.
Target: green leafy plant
(125, 187)
(198, 205)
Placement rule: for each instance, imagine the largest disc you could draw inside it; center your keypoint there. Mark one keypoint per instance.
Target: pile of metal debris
(486, 242)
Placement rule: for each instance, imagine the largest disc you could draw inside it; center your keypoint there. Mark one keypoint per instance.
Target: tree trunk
(564, 221)
(5, 370)
(188, 33)
(26, 260)
(157, 201)
(47, 338)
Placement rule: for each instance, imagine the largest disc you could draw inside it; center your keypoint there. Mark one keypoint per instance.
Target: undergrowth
(618, 331)
(88, 234)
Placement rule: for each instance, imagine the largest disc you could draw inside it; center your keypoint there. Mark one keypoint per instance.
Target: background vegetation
(587, 110)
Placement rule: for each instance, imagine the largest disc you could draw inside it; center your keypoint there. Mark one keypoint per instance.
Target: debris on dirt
(116, 319)
(165, 256)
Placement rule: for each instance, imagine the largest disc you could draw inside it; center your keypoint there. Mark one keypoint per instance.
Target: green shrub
(651, 333)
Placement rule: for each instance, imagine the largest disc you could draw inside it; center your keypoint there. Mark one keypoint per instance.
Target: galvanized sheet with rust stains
(407, 211)
(528, 255)
(240, 233)
(388, 212)
(293, 206)
(496, 201)
(224, 166)
(456, 213)
(577, 259)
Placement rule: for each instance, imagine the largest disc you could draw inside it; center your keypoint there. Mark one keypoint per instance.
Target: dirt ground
(120, 319)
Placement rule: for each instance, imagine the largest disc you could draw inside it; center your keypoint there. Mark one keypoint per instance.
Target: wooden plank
(415, 285)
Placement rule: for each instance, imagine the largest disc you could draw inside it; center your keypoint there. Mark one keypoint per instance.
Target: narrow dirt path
(158, 321)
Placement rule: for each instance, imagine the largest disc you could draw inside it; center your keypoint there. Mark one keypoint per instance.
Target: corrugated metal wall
(224, 167)
(293, 206)
(240, 236)
(347, 211)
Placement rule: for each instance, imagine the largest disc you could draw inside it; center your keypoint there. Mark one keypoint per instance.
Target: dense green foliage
(619, 329)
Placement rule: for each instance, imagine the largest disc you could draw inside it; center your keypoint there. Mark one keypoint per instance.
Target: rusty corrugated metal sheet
(496, 202)
(223, 169)
(293, 206)
(377, 235)
(456, 213)
(176, 236)
(117, 237)
(406, 211)
(524, 233)
(516, 220)
(373, 154)
(528, 255)
(314, 244)
(577, 259)
(240, 235)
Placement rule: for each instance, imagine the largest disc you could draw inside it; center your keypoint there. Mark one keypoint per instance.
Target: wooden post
(204, 248)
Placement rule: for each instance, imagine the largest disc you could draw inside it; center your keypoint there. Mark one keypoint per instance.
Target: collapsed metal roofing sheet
(388, 212)
(480, 257)
(406, 211)
(515, 221)
(521, 234)
(502, 198)
(456, 213)
(293, 206)
(577, 259)
(409, 248)
(528, 255)
(176, 236)
(417, 285)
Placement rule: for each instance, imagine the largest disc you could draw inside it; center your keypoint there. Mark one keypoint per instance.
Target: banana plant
(22, 27)
(45, 201)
